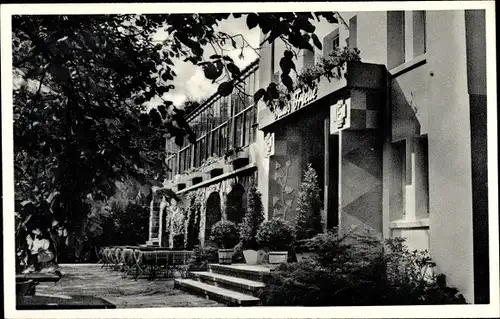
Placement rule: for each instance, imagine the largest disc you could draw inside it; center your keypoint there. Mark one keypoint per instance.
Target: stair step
(241, 284)
(217, 293)
(250, 272)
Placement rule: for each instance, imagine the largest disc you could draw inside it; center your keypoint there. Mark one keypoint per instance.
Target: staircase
(234, 285)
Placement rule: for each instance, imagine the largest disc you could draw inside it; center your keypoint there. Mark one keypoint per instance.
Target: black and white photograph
(302, 159)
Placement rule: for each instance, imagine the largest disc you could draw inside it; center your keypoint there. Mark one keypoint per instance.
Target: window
(336, 42)
(308, 58)
(395, 38)
(406, 36)
(331, 42)
(353, 32)
(419, 37)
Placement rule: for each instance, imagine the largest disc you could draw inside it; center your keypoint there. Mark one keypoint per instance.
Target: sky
(190, 81)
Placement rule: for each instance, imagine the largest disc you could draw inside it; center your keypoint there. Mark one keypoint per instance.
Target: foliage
(359, 269)
(308, 218)
(330, 67)
(202, 256)
(211, 160)
(224, 234)
(275, 234)
(232, 151)
(83, 124)
(192, 226)
(252, 220)
(278, 94)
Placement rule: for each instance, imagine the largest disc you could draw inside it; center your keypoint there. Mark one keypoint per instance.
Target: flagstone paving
(92, 280)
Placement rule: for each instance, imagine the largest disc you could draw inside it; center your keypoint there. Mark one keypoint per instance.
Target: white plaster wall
(450, 193)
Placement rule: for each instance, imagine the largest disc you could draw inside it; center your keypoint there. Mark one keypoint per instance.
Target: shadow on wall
(405, 112)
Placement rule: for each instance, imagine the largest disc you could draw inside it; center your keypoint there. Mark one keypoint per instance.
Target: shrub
(252, 220)
(308, 220)
(275, 234)
(224, 234)
(202, 256)
(359, 269)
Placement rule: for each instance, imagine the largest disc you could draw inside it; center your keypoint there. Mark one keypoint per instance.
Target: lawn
(92, 280)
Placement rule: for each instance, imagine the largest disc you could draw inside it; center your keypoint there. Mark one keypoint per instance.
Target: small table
(62, 302)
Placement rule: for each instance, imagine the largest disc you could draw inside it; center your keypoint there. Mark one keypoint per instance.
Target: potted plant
(224, 234)
(236, 156)
(277, 236)
(213, 166)
(253, 218)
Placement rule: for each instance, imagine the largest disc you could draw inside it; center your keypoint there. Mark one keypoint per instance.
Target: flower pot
(238, 159)
(225, 256)
(278, 257)
(214, 169)
(25, 288)
(251, 256)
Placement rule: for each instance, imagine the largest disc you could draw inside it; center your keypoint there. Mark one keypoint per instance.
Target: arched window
(235, 204)
(213, 213)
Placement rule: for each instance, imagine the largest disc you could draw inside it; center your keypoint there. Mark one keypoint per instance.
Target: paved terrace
(92, 280)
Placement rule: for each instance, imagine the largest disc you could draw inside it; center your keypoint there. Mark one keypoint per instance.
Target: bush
(359, 269)
(252, 220)
(202, 256)
(308, 220)
(224, 234)
(275, 235)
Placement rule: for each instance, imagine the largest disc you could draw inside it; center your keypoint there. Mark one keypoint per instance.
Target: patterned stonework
(269, 144)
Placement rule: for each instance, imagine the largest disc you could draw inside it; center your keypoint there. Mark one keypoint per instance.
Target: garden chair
(128, 259)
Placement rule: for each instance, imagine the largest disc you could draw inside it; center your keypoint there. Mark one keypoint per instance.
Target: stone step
(250, 272)
(229, 282)
(226, 296)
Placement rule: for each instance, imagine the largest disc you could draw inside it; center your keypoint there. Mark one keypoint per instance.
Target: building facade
(398, 140)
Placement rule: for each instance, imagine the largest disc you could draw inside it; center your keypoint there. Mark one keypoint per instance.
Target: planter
(214, 169)
(278, 257)
(226, 256)
(238, 159)
(25, 288)
(197, 177)
(251, 256)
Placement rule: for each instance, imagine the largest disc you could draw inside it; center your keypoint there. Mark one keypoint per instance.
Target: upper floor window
(336, 42)
(331, 42)
(406, 36)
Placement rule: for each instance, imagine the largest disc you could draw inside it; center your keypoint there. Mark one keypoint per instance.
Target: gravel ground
(92, 280)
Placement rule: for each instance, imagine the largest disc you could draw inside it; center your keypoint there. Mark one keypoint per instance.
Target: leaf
(227, 58)
(235, 71)
(288, 163)
(288, 54)
(90, 40)
(60, 73)
(225, 88)
(233, 43)
(278, 165)
(258, 95)
(289, 202)
(288, 190)
(317, 42)
(215, 56)
(287, 81)
(211, 71)
(252, 20)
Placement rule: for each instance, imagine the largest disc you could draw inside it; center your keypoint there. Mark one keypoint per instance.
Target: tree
(85, 125)
(308, 219)
(254, 216)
